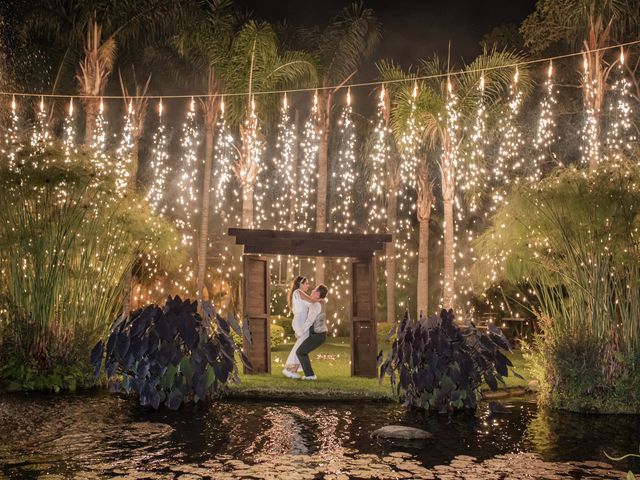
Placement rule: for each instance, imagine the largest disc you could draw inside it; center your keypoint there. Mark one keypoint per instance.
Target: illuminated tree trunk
(90, 113)
(324, 125)
(210, 118)
(425, 202)
(294, 188)
(447, 171)
(390, 252)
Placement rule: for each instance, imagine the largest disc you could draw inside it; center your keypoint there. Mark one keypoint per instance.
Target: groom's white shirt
(314, 310)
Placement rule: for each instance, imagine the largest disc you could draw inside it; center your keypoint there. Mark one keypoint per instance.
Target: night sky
(412, 29)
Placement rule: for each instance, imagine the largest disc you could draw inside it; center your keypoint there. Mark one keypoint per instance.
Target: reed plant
(572, 242)
(67, 240)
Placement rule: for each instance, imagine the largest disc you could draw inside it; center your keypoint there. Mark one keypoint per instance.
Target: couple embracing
(309, 324)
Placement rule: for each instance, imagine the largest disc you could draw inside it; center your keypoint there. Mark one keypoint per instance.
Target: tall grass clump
(572, 241)
(67, 241)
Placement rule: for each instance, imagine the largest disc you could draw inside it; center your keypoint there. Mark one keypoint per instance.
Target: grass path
(331, 363)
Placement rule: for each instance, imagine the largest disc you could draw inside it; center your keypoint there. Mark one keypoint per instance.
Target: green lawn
(331, 363)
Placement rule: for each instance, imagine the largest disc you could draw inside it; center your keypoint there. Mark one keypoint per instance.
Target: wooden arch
(359, 247)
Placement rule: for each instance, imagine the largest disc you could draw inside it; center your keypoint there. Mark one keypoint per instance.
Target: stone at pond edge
(533, 386)
(401, 432)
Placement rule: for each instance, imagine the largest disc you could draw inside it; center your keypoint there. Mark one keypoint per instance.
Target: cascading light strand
(159, 166)
(545, 136)
(123, 153)
(283, 168)
(619, 134)
(69, 133)
(308, 171)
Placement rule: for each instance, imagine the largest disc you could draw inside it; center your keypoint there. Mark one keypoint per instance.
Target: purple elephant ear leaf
(231, 320)
(96, 359)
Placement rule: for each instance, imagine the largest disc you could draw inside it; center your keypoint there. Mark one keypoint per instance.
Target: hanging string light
(344, 174)
(472, 169)
(619, 135)
(283, 168)
(41, 136)
(380, 152)
(99, 142)
(545, 136)
(590, 144)
(308, 171)
(12, 136)
(508, 161)
(250, 169)
(186, 201)
(123, 153)
(159, 166)
(408, 144)
(69, 132)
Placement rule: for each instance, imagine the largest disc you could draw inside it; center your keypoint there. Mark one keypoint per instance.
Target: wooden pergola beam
(309, 244)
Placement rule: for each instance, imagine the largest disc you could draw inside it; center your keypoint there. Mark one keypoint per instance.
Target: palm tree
(91, 32)
(206, 46)
(338, 50)
(409, 168)
(593, 24)
(256, 63)
(443, 105)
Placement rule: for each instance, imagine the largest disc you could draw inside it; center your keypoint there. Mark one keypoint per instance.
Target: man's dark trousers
(313, 341)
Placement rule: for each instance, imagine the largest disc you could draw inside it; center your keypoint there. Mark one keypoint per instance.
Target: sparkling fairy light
(379, 157)
(123, 153)
(226, 197)
(545, 137)
(12, 136)
(508, 163)
(99, 142)
(590, 141)
(41, 135)
(619, 134)
(159, 166)
(187, 205)
(249, 171)
(344, 174)
(308, 171)
(472, 169)
(69, 133)
(283, 168)
(408, 145)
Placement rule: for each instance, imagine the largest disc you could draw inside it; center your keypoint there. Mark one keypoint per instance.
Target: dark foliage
(438, 365)
(169, 355)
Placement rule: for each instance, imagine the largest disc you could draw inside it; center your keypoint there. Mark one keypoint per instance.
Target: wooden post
(256, 297)
(363, 318)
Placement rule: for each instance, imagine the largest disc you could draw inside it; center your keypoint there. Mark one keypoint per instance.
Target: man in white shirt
(316, 323)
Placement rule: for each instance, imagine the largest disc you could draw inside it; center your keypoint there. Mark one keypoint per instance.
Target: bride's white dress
(300, 309)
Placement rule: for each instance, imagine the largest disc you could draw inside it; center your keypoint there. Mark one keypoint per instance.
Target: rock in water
(402, 432)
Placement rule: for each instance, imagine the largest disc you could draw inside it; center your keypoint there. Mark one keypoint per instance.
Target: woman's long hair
(299, 280)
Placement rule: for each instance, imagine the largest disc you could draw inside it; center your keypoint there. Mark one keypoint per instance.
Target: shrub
(66, 243)
(439, 366)
(169, 355)
(571, 240)
(277, 336)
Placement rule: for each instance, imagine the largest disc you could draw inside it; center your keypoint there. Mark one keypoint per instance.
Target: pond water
(100, 436)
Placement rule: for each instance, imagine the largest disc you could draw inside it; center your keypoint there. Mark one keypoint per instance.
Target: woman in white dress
(299, 303)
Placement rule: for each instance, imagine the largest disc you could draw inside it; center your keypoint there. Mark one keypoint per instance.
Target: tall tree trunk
(91, 106)
(247, 206)
(324, 126)
(597, 76)
(210, 115)
(390, 252)
(425, 202)
(448, 189)
(294, 189)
